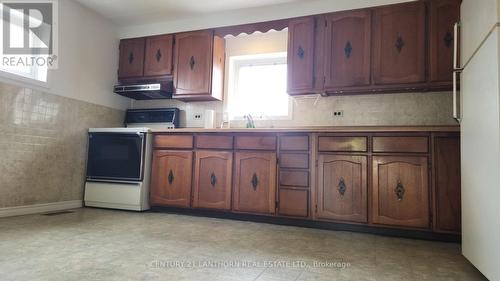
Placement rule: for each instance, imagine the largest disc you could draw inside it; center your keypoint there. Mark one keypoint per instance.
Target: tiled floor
(93, 244)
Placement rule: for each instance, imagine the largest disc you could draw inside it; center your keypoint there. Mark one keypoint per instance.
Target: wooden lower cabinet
(400, 195)
(212, 180)
(293, 202)
(171, 178)
(447, 202)
(255, 182)
(342, 188)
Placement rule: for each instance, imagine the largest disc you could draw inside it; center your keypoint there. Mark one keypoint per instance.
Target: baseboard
(40, 208)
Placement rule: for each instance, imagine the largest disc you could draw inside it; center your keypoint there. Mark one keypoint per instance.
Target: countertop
(317, 129)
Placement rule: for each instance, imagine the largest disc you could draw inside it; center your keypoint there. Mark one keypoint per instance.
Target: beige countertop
(318, 129)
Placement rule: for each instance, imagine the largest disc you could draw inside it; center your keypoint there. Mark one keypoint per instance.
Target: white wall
(251, 15)
(88, 58)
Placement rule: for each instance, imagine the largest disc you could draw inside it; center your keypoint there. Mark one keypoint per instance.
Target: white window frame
(10, 74)
(235, 64)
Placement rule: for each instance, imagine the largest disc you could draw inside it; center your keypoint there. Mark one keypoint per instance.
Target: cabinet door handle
(448, 39)
(213, 179)
(255, 181)
(130, 58)
(348, 49)
(399, 43)
(300, 52)
(170, 177)
(342, 187)
(399, 191)
(192, 62)
(158, 55)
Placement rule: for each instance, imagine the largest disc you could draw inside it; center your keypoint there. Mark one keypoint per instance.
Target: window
(257, 86)
(26, 69)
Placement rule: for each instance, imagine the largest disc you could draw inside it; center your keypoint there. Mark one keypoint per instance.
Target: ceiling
(128, 12)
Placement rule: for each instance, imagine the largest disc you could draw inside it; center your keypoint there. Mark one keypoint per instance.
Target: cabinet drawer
(294, 143)
(294, 160)
(294, 178)
(293, 202)
(401, 144)
(173, 141)
(214, 142)
(342, 144)
(256, 142)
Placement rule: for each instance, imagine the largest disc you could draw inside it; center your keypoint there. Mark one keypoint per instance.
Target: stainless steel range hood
(146, 90)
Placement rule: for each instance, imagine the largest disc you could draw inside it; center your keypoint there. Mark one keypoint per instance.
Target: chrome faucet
(250, 122)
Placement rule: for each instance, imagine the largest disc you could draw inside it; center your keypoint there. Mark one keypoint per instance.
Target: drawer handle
(213, 179)
(342, 187)
(400, 191)
(170, 177)
(255, 181)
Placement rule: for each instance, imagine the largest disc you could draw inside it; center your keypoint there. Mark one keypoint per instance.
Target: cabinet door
(347, 49)
(400, 191)
(447, 184)
(158, 55)
(399, 44)
(443, 15)
(301, 56)
(131, 58)
(212, 180)
(193, 62)
(255, 182)
(342, 188)
(171, 178)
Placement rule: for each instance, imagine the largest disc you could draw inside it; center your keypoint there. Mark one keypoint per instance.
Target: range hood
(146, 89)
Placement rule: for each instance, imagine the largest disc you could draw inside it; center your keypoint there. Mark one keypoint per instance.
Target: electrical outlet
(197, 116)
(337, 114)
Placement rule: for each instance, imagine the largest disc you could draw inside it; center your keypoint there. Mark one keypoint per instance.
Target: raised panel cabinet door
(399, 44)
(400, 191)
(301, 55)
(447, 184)
(131, 58)
(255, 182)
(212, 180)
(347, 49)
(158, 55)
(342, 188)
(171, 178)
(193, 62)
(443, 15)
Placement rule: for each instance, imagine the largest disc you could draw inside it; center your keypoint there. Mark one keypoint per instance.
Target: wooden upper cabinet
(443, 15)
(400, 194)
(399, 45)
(347, 50)
(342, 188)
(158, 55)
(301, 55)
(171, 178)
(212, 180)
(199, 66)
(255, 182)
(131, 58)
(447, 197)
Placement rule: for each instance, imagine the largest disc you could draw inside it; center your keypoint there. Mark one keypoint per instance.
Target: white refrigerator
(479, 114)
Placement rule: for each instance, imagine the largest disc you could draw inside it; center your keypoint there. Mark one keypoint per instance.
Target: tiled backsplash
(43, 145)
(433, 108)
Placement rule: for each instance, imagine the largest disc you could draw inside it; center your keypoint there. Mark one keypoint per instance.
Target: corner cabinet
(199, 66)
(255, 182)
(171, 178)
(399, 45)
(401, 191)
